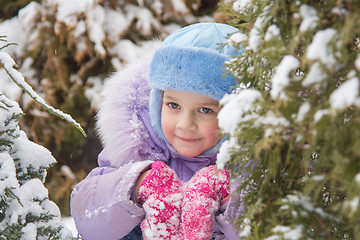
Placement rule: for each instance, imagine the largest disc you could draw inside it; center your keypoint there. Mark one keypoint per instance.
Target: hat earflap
(155, 106)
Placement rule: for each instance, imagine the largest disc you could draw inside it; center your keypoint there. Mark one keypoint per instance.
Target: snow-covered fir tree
(294, 121)
(25, 209)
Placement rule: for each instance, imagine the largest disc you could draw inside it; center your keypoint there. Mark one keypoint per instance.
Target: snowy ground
(69, 224)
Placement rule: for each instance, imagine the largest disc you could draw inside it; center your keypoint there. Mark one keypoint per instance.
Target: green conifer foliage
(296, 117)
(25, 209)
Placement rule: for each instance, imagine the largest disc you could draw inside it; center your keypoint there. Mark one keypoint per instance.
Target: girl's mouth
(190, 140)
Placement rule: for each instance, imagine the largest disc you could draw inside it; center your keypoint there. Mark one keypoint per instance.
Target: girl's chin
(188, 154)
(189, 150)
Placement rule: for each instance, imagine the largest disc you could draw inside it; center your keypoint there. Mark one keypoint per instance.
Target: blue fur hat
(191, 60)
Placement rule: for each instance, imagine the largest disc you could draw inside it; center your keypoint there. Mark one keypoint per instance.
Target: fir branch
(7, 197)
(2, 39)
(19, 80)
(11, 194)
(6, 45)
(12, 231)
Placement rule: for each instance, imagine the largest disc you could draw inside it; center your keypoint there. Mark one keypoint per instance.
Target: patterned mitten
(161, 195)
(202, 198)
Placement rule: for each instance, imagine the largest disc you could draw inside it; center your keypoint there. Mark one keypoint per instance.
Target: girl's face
(189, 122)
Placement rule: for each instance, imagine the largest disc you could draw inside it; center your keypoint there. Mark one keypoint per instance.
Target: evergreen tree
(294, 121)
(25, 209)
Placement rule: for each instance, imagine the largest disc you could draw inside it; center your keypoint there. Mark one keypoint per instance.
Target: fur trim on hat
(196, 70)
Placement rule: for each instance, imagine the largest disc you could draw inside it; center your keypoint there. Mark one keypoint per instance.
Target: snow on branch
(17, 77)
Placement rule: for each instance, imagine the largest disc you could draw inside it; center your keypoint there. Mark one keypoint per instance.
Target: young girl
(158, 122)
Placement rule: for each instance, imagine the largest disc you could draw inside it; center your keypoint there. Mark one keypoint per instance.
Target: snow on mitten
(202, 198)
(161, 195)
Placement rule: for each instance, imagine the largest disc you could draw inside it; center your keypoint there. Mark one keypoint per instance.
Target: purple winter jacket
(102, 204)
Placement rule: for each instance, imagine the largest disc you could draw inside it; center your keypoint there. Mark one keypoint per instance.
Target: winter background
(282, 109)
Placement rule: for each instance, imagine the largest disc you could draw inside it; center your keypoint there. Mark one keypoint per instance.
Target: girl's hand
(160, 192)
(204, 193)
(138, 184)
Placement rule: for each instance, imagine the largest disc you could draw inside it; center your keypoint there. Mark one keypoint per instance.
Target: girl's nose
(186, 121)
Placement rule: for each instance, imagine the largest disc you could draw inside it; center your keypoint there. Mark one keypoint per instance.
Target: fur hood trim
(123, 134)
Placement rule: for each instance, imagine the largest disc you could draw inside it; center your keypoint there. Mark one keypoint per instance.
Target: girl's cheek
(212, 130)
(166, 125)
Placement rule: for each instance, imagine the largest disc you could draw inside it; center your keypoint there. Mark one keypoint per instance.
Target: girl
(158, 122)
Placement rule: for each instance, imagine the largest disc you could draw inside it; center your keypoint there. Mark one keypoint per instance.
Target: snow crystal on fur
(122, 132)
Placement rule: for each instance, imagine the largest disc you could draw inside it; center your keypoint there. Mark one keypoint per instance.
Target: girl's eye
(206, 110)
(173, 105)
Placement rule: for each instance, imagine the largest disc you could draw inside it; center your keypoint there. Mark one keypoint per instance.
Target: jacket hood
(124, 135)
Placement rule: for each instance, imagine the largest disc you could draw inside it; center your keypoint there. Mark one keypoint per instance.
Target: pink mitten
(161, 195)
(201, 200)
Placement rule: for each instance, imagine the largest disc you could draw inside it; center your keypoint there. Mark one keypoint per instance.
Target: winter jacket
(102, 204)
